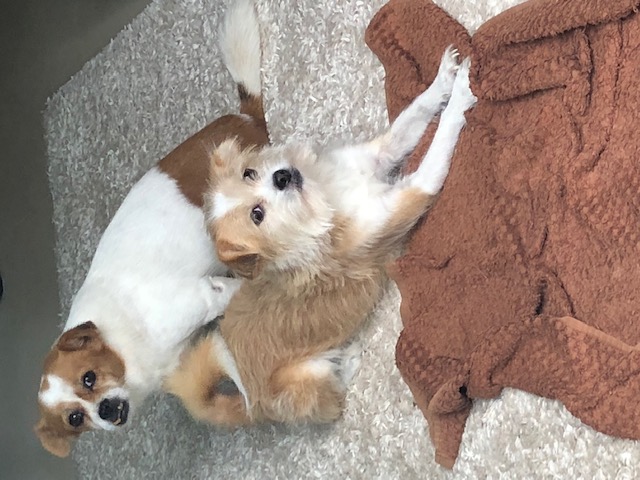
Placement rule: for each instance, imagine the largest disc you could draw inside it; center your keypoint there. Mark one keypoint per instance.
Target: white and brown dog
(311, 233)
(150, 283)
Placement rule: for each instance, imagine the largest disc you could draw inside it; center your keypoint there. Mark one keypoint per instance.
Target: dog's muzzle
(114, 410)
(286, 178)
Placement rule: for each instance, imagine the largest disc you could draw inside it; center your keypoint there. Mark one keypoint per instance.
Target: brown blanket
(526, 273)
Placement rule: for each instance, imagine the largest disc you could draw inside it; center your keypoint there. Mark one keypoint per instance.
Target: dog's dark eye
(89, 379)
(76, 418)
(250, 174)
(257, 215)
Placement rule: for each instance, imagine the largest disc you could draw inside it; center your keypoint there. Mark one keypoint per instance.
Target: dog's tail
(239, 38)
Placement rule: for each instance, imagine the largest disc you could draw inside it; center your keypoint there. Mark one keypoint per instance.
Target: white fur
(434, 168)
(221, 352)
(240, 45)
(221, 205)
(340, 363)
(149, 285)
(318, 367)
(58, 391)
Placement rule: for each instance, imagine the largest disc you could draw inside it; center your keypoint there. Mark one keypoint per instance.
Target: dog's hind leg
(314, 389)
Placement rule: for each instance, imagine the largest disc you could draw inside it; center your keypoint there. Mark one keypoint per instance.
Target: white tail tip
(239, 38)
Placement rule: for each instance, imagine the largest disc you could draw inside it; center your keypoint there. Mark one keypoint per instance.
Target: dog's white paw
(447, 71)
(224, 287)
(215, 293)
(462, 98)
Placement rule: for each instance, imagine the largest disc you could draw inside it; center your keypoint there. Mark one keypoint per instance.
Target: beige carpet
(161, 80)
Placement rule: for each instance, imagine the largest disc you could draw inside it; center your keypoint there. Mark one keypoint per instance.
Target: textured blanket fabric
(160, 81)
(525, 274)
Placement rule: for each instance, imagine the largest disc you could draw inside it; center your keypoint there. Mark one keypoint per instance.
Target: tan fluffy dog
(311, 234)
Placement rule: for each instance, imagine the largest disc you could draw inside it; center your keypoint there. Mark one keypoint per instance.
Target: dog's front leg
(409, 127)
(434, 168)
(217, 292)
(403, 205)
(384, 153)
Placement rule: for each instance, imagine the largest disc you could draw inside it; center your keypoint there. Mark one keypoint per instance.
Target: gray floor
(42, 43)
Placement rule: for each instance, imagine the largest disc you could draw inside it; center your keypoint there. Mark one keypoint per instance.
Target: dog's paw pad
(217, 285)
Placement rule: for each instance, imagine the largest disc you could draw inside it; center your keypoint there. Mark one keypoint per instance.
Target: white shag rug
(158, 82)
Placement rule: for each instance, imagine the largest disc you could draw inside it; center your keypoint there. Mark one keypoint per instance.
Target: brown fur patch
(189, 162)
(243, 258)
(243, 263)
(53, 435)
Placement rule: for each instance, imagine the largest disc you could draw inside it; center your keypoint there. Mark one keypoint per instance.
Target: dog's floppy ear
(239, 258)
(83, 336)
(58, 443)
(225, 154)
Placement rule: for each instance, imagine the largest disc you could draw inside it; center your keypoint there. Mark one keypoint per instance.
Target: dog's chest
(352, 194)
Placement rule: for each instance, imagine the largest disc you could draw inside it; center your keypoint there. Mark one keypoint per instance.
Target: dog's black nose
(114, 410)
(109, 409)
(281, 179)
